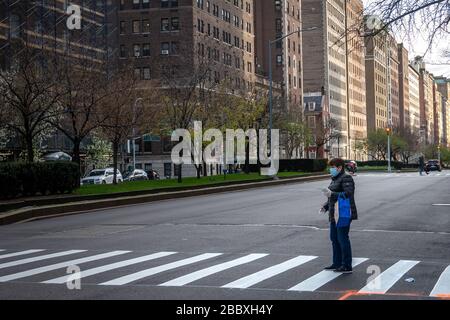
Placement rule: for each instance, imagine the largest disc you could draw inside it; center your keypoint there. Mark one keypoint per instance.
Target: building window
(146, 50)
(147, 144)
(165, 48)
(165, 24)
(311, 106)
(279, 59)
(137, 50)
(145, 26)
(164, 3)
(136, 26)
(145, 4)
(175, 23)
(137, 73)
(312, 122)
(123, 25)
(123, 51)
(174, 47)
(136, 4)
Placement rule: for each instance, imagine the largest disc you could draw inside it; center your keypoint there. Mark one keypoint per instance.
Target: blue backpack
(344, 209)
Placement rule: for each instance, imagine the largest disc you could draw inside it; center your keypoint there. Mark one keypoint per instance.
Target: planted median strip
(118, 196)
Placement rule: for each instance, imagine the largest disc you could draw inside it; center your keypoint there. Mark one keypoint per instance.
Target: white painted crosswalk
(152, 271)
(383, 282)
(59, 266)
(257, 277)
(442, 287)
(20, 253)
(39, 258)
(322, 278)
(131, 269)
(181, 281)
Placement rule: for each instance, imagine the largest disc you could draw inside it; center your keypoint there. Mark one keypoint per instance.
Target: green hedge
(28, 179)
(293, 165)
(380, 163)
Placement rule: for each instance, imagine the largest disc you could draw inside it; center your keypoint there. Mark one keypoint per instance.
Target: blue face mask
(334, 171)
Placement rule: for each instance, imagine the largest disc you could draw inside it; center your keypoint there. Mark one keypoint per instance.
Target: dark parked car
(152, 175)
(433, 165)
(351, 166)
(135, 175)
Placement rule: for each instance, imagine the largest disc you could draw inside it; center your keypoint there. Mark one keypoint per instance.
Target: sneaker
(332, 267)
(343, 270)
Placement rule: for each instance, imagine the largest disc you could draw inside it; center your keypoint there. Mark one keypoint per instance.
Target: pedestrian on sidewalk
(421, 164)
(342, 185)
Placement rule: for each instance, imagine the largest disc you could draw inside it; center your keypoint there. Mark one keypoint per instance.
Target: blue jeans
(342, 250)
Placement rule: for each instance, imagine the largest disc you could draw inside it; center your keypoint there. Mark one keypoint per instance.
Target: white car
(101, 176)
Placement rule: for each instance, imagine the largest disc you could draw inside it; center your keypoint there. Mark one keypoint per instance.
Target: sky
(417, 46)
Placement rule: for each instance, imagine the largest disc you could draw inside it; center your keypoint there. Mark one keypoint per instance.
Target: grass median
(173, 183)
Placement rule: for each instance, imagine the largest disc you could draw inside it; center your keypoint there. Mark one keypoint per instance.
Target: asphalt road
(267, 243)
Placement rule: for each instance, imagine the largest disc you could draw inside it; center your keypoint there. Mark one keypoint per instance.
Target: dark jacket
(341, 183)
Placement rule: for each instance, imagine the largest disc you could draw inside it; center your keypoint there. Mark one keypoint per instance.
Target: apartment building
(426, 84)
(376, 82)
(414, 100)
(393, 85)
(42, 25)
(403, 88)
(273, 20)
(356, 80)
(325, 64)
(438, 116)
(443, 87)
(172, 40)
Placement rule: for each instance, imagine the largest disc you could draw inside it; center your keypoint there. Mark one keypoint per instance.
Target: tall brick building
(333, 64)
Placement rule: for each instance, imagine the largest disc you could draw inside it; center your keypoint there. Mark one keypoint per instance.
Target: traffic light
(388, 131)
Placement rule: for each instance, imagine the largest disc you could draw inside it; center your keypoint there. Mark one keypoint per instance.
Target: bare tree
(326, 131)
(29, 94)
(122, 112)
(82, 87)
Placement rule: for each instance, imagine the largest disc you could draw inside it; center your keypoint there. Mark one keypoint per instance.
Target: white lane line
(2, 249)
(149, 272)
(20, 253)
(267, 273)
(441, 204)
(442, 287)
(60, 265)
(389, 277)
(39, 258)
(108, 267)
(191, 277)
(320, 279)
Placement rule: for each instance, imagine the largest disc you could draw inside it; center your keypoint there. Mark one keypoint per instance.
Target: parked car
(152, 174)
(101, 176)
(135, 175)
(351, 166)
(433, 165)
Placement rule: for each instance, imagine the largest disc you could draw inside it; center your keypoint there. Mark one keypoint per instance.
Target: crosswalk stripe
(2, 249)
(149, 272)
(120, 264)
(191, 277)
(442, 287)
(39, 258)
(320, 279)
(389, 277)
(20, 253)
(35, 271)
(267, 273)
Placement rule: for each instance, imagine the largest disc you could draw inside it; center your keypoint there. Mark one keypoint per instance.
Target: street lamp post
(271, 42)
(388, 131)
(134, 134)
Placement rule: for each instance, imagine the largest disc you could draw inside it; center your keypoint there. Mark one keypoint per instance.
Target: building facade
(326, 67)
(273, 20)
(414, 100)
(356, 80)
(403, 88)
(443, 86)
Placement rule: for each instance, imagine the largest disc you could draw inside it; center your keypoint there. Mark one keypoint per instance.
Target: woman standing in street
(341, 184)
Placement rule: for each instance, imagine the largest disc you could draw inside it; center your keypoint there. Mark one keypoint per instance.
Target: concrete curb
(47, 211)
